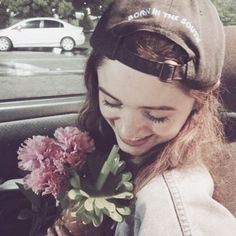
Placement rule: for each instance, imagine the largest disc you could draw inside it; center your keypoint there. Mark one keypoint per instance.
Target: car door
(40, 91)
(27, 34)
(52, 31)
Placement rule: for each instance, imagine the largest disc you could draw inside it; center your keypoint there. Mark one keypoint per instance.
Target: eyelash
(112, 105)
(150, 117)
(155, 119)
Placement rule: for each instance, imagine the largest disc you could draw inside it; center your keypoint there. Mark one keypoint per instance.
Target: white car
(41, 32)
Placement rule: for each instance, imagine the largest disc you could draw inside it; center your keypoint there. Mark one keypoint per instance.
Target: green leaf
(80, 210)
(83, 193)
(72, 194)
(102, 203)
(87, 218)
(77, 205)
(75, 181)
(109, 206)
(124, 178)
(128, 186)
(127, 176)
(118, 166)
(107, 168)
(88, 204)
(124, 211)
(115, 216)
(124, 195)
(99, 203)
(97, 221)
(98, 211)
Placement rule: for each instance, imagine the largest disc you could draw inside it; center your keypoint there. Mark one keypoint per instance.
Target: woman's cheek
(168, 130)
(108, 112)
(162, 127)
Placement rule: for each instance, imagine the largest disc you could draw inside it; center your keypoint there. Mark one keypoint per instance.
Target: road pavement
(26, 74)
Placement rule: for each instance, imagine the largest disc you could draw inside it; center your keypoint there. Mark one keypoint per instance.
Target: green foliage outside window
(34, 8)
(226, 10)
(65, 9)
(86, 22)
(4, 17)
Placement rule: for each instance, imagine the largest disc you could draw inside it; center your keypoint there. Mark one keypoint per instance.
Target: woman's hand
(58, 229)
(68, 225)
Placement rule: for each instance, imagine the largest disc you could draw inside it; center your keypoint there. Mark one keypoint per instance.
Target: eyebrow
(108, 94)
(160, 108)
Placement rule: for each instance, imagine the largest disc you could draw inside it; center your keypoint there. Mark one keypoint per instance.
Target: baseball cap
(194, 25)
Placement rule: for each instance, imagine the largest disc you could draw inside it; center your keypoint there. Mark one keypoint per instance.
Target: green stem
(106, 168)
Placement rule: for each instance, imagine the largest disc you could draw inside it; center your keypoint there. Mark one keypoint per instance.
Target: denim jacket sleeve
(178, 203)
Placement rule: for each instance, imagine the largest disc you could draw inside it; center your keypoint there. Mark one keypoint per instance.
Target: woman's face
(142, 110)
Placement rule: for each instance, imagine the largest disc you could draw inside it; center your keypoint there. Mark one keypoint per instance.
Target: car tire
(67, 44)
(5, 44)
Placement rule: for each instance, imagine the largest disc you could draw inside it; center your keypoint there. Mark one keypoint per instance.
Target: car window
(42, 72)
(35, 74)
(31, 24)
(52, 24)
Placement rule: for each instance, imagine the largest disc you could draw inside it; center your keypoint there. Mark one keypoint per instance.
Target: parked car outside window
(41, 32)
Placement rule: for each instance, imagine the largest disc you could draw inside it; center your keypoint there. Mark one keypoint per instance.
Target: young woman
(152, 82)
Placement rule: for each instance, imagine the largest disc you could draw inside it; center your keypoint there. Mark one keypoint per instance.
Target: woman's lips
(135, 142)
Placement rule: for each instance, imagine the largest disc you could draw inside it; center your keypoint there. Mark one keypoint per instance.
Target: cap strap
(165, 71)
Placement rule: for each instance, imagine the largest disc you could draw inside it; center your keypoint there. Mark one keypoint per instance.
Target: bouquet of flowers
(87, 185)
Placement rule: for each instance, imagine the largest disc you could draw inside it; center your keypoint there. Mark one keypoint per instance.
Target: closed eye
(112, 105)
(156, 119)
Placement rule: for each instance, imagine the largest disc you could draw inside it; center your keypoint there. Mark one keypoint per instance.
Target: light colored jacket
(178, 203)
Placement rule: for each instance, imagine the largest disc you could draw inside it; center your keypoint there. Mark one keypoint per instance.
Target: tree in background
(97, 6)
(4, 16)
(65, 8)
(86, 22)
(226, 10)
(32, 8)
(90, 8)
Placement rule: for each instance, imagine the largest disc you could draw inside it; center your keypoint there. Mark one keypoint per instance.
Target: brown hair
(200, 139)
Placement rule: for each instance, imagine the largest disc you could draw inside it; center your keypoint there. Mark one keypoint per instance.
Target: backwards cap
(192, 24)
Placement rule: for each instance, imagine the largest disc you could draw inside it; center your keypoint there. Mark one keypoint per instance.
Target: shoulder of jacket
(184, 198)
(187, 180)
(193, 181)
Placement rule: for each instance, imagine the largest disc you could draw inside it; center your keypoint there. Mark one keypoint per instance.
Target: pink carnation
(48, 159)
(35, 180)
(33, 152)
(47, 181)
(74, 140)
(75, 143)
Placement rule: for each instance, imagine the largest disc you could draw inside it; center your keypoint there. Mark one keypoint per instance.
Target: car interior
(24, 118)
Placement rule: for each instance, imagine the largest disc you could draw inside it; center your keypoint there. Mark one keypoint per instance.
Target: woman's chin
(137, 148)
(138, 151)
(133, 151)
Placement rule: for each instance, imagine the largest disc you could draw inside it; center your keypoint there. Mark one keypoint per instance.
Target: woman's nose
(130, 124)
